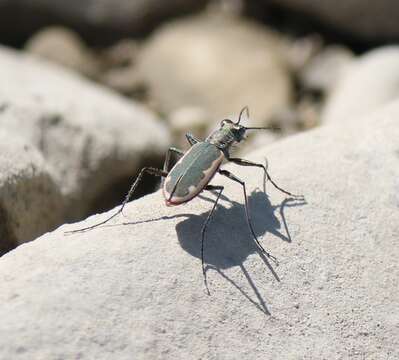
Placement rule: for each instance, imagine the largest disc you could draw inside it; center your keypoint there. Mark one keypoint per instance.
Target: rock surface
(119, 69)
(91, 138)
(324, 69)
(367, 20)
(256, 140)
(65, 47)
(216, 63)
(136, 289)
(365, 86)
(30, 201)
(192, 120)
(101, 21)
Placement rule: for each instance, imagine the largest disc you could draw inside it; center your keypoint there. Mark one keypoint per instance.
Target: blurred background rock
(98, 88)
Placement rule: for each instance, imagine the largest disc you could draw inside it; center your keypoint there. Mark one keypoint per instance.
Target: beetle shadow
(228, 241)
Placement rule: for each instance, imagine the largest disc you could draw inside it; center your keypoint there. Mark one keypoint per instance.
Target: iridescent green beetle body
(192, 173)
(195, 169)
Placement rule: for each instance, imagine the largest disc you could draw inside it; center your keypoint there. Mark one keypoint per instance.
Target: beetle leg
(149, 170)
(192, 139)
(242, 183)
(244, 162)
(204, 226)
(166, 163)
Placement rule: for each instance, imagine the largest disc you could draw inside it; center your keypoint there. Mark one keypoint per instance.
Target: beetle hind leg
(243, 162)
(247, 214)
(204, 227)
(148, 170)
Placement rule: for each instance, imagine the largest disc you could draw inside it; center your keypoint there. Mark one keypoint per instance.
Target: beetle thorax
(228, 134)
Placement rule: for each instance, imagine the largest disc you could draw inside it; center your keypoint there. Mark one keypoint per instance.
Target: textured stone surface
(256, 140)
(365, 86)
(30, 201)
(136, 289)
(98, 20)
(367, 20)
(219, 64)
(91, 137)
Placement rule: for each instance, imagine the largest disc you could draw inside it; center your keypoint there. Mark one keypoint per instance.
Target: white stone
(325, 69)
(185, 120)
(90, 136)
(365, 86)
(65, 47)
(218, 64)
(30, 200)
(136, 291)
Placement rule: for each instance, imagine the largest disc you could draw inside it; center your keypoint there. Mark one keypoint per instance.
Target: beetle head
(235, 129)
(231, 132)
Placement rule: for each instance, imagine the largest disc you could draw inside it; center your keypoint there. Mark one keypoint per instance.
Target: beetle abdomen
(192, 173)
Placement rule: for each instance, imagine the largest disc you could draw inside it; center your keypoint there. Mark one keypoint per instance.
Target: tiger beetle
(195, 169)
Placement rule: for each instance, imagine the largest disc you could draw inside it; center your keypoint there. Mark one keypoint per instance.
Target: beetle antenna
(263, 128)
(245, 108)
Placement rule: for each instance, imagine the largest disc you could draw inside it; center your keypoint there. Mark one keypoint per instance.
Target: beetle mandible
(195, 169)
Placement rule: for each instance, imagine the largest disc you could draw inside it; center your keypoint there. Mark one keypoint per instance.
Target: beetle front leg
(149, 170)
(249, 221)
(244, 162)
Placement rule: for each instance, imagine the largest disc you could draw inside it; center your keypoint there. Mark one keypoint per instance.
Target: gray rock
(64, 47)
(121, 54)
(324, 69)
(92, 138)
(219, 64)
(126, 81)
(30, 201)
(113, 67)
(136, 290)
(302, 50)
(99, 21)
(365, 86)
(256, 140)
(185, 120)
(119, 69)
(367, 20)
